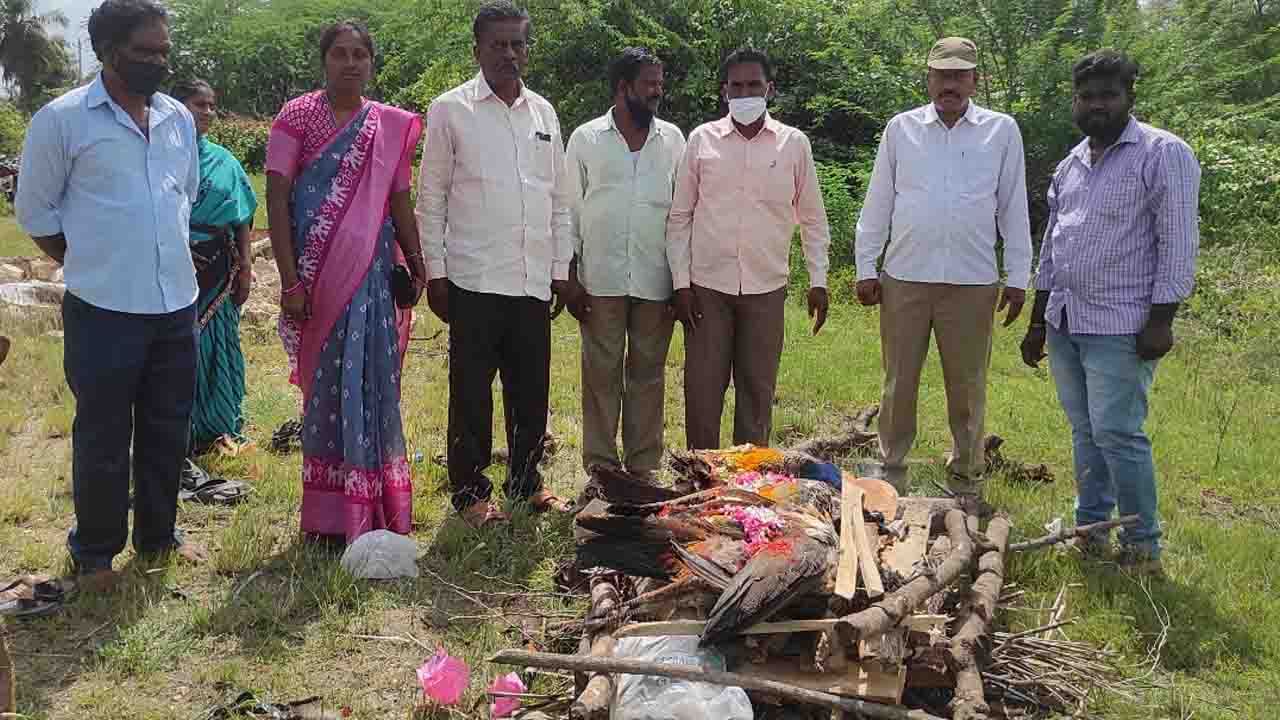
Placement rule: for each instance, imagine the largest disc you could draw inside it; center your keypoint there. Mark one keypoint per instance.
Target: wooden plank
(869, 680)
(913, 623)
(850, 518)
(905, 554)
(868, 565)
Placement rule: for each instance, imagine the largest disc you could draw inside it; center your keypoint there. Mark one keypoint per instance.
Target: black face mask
(640, 111)
(142, 78)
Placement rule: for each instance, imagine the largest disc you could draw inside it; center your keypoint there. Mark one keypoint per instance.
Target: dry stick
(698, 674)
(970, 701)
(593, 702)
(1058, 610)
(1066, 534)
(902, 602)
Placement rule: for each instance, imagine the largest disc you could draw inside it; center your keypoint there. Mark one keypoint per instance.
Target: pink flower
(505, 706)
(749, 479)
(444, 678)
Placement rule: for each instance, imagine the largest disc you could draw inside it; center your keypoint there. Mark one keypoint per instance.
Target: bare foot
(192, 553)
(98, 581)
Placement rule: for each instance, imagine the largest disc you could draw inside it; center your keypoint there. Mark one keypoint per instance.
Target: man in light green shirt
(621, 168)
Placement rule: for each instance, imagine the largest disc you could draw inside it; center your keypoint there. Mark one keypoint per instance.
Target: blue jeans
(1103, 386)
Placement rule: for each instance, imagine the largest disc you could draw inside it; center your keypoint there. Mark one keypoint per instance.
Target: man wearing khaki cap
(949, 178)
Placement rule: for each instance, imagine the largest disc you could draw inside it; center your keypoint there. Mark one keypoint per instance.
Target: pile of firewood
(851, 600)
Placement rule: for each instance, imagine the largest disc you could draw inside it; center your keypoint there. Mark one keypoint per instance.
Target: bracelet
(412, 256)
(1036, 326)
(292, 289)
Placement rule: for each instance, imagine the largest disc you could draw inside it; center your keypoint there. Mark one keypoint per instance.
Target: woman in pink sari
(338, 178)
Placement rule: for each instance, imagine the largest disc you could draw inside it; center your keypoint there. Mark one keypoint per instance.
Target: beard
(640, 111)
(1095, 125)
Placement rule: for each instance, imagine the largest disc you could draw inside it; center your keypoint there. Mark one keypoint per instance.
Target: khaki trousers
(738, 337)
(624, 356)
(960, 317)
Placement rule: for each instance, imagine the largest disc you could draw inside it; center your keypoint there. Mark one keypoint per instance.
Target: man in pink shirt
(744, 184)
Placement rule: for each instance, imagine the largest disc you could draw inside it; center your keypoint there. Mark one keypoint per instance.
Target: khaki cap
(953, 53)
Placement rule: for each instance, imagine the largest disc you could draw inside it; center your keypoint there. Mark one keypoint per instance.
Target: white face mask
(747, 110)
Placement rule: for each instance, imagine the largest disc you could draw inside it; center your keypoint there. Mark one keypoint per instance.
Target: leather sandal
(546, 501)
(482, 514)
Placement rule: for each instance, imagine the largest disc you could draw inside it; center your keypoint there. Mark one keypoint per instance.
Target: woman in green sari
(221, 220)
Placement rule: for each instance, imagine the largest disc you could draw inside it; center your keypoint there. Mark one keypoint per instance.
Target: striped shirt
(1123, 234)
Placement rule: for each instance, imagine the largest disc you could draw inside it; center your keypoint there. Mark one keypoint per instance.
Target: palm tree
(29, 56)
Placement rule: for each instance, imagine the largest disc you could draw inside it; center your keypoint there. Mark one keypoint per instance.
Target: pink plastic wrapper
(505, 706)
(444, 678)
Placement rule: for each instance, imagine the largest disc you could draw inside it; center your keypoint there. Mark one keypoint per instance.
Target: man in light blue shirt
(109, 174)
(622, 169)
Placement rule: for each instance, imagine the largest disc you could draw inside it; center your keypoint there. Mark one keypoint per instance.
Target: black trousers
(133, 377)
(496, 335)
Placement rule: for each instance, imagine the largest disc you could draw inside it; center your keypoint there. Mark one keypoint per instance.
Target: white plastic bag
(644, 697)
(381, 555)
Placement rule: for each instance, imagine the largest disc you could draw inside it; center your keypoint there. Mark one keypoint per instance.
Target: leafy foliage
(1211, 72)
(34, 64)
(246, 138)
(13, 128)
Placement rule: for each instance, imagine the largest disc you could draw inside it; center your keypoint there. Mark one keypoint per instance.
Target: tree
(31, 60)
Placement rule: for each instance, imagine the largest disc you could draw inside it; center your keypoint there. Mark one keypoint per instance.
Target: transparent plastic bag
(381, 555)
(644, 697)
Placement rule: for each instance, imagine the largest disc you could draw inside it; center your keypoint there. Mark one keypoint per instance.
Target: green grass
(14, 242)
(280, 619)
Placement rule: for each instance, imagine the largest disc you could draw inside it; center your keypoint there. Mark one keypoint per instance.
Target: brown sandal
(482, 514)
(544, 501)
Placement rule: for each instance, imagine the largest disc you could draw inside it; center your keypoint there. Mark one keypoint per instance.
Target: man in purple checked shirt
(1118, 257)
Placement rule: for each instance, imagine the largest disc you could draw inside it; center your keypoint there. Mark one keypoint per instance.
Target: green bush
(843, 186)
(1239, 204)
(13, 128)
(246, 138)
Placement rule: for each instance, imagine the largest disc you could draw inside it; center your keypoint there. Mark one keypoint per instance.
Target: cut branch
(970, 702)
(1066, 534)
(579, 663)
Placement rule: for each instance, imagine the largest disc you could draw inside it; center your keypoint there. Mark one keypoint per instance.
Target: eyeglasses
(517, 46)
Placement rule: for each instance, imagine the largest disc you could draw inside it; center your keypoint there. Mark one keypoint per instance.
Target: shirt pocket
(1121, 195)
(775, 181)
(540, 156)
(978, 172)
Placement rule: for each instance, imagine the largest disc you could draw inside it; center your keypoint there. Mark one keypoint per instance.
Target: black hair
(184, 89)
(627, 66)
(112, 22)
(498, 11)
(1107, 64)
(741, 56)
(331, 33)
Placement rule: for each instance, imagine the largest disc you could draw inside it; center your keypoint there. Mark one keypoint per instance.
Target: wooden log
(1068, 533)
(596, 691)
(914, 623)
(891, 611)
(970, 702)
(580, 663)
(850, 555)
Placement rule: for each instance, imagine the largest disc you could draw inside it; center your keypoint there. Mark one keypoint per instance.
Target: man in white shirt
(621, 169)
(948, 176)
(744, 184)
(493, 205)
(110, 171)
